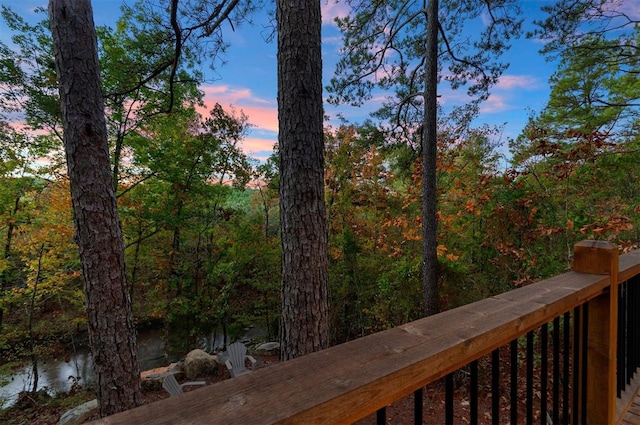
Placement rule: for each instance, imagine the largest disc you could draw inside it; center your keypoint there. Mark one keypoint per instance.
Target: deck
(584, 317)
(630, 403)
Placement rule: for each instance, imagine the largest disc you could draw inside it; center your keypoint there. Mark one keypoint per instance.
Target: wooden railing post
(599, 257)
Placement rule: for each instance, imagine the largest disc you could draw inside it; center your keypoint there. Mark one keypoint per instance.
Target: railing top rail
(349, 381)
(629, 265)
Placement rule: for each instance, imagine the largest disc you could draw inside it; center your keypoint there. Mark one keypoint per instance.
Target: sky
(248, 80)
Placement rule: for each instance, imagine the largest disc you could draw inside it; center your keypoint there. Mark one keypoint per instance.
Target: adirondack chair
(170, 384)
(236, 355)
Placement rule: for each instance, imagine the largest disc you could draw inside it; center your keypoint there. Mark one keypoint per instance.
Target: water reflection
(55, 375)
(58, 375)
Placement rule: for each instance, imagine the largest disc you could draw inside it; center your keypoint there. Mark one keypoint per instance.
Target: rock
(152, 379)
(79, 414)
(199, 363)
(268, 349)
(160, 372)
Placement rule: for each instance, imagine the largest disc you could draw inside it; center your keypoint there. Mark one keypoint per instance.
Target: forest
(201, 219)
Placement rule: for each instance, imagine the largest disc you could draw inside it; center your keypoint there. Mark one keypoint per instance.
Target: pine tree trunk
(304, 325)
(429, 153)
(98, 233)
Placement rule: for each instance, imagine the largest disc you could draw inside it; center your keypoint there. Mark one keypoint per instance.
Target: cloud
(331, 9)
(633, 9)
(503, 96)
(332, 40)
(232, 94)
(258, 147)
(495, 103)
(262, 113)
(450, 97)
(630, 7)
(265, 118)
(509, 82)
(509, 88)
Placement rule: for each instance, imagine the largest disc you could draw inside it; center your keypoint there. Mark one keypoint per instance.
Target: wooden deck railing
(350, 381)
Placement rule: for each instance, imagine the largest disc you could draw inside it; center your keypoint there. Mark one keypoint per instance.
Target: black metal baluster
(576, 365)
(636, 322)
(448, 396)
(544, 372)
(381, 416)
(621, 372)
(630, 322)
(633, 318)
(530, 378)
(495, 387)
(566, 351)
(632, 328)
(417, 406)
(585, 338)
(555, 410)
(514, 381)
(631, 337)
(631, 331)
(473, 403)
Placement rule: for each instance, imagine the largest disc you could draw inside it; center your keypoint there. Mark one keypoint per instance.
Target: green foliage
(373, 265)
(591, 93)
(573, 161)
(28, 75)
(385, 50)
(43, 248)
(201, 221)
(568, 23)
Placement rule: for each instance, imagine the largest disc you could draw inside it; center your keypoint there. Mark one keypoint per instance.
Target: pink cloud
(508, 82)
(452, 97)
(265, 118)
(331, 9)
(495, 103)
(630, 7)
(498, 101)
(253, 145)
(262, 113)
(20, 126)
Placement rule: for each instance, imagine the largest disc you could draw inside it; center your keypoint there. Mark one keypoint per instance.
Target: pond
(58, 375)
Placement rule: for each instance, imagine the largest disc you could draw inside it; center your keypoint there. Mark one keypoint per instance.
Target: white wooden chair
(236, 355)
(170, 384)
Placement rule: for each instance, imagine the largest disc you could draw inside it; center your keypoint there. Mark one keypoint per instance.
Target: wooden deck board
(628, 406)
(349, 381)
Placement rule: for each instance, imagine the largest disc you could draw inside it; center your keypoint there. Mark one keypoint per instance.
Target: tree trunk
(4, 276)
(304, 324)
(32, 337)
(429, 153)
(98, 232)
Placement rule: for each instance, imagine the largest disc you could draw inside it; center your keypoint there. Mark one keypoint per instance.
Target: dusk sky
(248, 80)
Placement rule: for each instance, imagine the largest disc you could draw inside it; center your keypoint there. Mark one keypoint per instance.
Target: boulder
(199, 363)
(79, 414)
(267, 349)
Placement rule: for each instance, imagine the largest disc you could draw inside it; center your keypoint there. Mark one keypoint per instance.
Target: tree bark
(98, 232)
(4, 276)
(429, 153)
(32, 338)
(304, 324)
